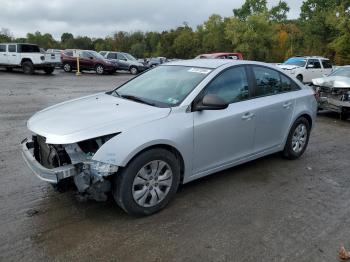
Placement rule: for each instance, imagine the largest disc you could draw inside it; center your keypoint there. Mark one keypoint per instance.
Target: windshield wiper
(136, 99)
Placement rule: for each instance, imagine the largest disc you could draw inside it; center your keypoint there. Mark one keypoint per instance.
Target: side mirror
(210, 102)
(310, 66)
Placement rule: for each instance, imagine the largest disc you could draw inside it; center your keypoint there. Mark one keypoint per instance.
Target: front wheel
(147, 183)
(134, 70)
(298, 139)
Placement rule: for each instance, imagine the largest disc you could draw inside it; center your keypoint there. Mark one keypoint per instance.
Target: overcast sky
(103, 17)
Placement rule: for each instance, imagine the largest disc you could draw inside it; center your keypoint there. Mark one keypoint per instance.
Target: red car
(88, 60)
(235, 56)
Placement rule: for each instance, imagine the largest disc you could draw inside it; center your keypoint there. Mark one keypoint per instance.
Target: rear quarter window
(28, 49)
(2, 48)
(326, 64)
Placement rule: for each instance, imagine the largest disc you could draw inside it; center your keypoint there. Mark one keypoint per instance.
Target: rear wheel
(28, 67)
(147, 183)
(67, 67)
(344, 115)
(99, 69)
(49, 70)
(298, 139)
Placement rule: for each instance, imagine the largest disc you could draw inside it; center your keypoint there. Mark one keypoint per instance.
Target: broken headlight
(101, 169)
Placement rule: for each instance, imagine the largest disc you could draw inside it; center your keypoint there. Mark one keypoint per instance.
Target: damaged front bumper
(96, 171)
(52, 176)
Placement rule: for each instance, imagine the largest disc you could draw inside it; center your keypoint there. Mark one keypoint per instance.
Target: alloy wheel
(299, 138)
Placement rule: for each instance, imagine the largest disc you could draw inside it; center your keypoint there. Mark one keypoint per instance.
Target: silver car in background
(333, 91)
(170, 125)
(125, 61)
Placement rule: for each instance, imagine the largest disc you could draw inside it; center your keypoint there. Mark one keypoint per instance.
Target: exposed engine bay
(92, 178)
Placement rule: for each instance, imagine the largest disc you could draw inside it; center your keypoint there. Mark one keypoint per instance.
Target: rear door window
(121, 57)
(315, 62)
(271, 82)
(12, 48)
(231, 85)
(268, 81)
(2, 48)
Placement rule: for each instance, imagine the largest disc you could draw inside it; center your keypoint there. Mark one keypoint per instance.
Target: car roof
(17, 44)
(308, 57)
(213, 63)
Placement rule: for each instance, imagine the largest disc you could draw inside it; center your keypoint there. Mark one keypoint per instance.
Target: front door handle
(248, 116)
(287, 105)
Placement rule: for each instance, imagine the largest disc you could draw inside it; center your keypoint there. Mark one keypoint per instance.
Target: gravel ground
(270, 209)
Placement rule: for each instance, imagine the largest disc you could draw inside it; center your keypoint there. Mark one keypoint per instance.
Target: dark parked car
(89, 60)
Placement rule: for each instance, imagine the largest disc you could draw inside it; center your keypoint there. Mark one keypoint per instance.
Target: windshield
(297, 61)
(343, 71)
(96, 55)
(164, 86)
(130, 57)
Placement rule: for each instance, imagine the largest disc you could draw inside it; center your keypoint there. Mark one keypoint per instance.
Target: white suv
(306, 68)
(28, 57)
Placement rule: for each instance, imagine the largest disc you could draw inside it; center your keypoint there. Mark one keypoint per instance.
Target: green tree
(279, 12)
(253, 37)
(5, 35)
(250, 7)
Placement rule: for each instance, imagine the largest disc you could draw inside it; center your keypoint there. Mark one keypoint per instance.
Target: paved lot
(267, 210)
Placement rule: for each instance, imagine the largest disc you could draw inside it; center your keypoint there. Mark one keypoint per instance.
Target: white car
(28, 57)
(307, 68)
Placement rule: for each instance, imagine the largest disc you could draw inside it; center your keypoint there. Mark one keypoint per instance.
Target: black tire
(28, 68)
(123, 182)
(9, 69)
(49, 70)
(288, 151)
(99, 69)
(344, 115)
(300, 78)
(134, 70)
(67, 67)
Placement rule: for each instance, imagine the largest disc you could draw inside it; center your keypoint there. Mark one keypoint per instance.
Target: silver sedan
(168, 126)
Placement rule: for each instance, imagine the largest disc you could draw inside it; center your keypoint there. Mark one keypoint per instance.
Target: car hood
(287, 67)
(332, 81)
(90, 117)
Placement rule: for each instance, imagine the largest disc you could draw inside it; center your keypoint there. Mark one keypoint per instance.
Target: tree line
(259, 32)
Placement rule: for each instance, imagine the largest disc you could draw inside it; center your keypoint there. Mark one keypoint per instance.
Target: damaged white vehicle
(170, 125)
(333, 92)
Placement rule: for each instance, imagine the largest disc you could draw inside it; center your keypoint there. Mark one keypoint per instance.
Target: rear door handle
(248, 116)
(287, 105)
